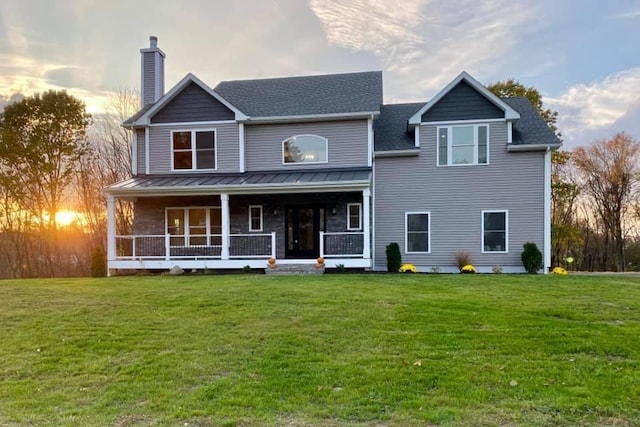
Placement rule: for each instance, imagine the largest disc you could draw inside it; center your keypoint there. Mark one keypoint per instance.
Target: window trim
(194, 157)
(506, 231)
(261, 218)
(349, 205)
(450, 146)
(187, 226)
(326, 150)
(406, 231)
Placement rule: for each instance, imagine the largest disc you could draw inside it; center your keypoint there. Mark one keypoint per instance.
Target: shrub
(531, 258)
(436, 270)
(340, 269)
(394, 259)
(246, 269)
(98, 263)
(496, 269)
(462, 259)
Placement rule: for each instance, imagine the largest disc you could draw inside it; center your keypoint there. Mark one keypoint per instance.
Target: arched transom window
(304, 149)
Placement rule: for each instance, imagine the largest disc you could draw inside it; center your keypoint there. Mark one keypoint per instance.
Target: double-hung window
(194, 226)
(495, 231)
(463, 145)
(255, 218)
(417, 232)
(193, 149)
(354, 216)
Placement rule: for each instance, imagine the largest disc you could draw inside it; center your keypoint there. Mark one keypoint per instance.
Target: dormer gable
(189, 100)
(464, 98)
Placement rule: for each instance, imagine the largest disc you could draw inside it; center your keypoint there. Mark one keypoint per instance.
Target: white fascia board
(532, 147)
(320, 187)
(314, 117)
(179, 87)
(509, 113)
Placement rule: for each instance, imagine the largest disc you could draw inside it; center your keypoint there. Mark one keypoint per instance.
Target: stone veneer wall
(149, 213)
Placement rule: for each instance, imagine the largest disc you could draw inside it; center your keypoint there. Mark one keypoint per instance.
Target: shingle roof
(390, 127)
(392, 132)
(531, 128)
(131, 120)
(248, 181)
(308, 95)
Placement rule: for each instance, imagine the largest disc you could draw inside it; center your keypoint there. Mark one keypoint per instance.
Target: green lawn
(329, 350)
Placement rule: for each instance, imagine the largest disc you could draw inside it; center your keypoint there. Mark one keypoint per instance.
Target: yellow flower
(559, 271)
(408, 268)
(468, 269)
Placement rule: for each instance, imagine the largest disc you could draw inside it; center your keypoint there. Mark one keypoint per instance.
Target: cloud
(627, 15)
(428, 42)
(599, 109)
(370, 24)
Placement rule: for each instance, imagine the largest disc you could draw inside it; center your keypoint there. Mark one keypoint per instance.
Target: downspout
(547, 210)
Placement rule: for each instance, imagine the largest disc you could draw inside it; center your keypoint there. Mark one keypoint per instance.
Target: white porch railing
(343, 244)
(200, 246)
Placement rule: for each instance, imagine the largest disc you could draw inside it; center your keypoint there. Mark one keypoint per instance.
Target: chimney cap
(153, 41)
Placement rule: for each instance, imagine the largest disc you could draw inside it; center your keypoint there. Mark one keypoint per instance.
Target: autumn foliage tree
(609, 172)
(511, 87)
(42, 139)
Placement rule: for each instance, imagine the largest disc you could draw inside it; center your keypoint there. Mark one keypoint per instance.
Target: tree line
(54, 154)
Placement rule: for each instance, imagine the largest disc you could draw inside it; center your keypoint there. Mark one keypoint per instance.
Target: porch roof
(319, 180)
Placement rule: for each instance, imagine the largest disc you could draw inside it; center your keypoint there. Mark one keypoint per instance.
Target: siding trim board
(203, 123)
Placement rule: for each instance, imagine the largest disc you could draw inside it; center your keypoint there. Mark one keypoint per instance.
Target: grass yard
(332, 350)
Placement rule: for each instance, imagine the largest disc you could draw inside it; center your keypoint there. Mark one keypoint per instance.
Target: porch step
(290, 269)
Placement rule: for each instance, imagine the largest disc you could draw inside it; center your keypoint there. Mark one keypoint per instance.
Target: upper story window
(193, 149)
(463, 145)
(304, 149)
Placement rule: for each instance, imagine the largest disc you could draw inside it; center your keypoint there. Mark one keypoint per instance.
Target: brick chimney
(152, 79)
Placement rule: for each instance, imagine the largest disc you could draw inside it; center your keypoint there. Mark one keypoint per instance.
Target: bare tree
(107, 161)
(609, 171)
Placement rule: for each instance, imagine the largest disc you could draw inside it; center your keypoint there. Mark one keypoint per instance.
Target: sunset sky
(584, 56)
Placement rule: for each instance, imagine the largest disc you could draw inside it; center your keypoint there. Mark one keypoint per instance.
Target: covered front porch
(231, 226)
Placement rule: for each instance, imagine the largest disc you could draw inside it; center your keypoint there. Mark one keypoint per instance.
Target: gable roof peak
(509, 112)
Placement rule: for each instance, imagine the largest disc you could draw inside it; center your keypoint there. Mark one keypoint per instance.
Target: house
(301, 167)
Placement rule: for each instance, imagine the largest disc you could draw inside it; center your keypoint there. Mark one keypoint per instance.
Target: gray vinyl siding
(455, 196)
(193, 104)
(148, 77)
(462, 103)
(347, 144)
(227, 147)
(141, 148)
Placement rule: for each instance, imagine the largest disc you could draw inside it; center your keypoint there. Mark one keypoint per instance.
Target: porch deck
(205, 251)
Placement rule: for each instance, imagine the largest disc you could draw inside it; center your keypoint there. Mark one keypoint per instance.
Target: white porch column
(111, 229)
(226, 224)
(366, 222)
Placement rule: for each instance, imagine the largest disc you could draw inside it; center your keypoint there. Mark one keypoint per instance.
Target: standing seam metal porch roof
(189, 183)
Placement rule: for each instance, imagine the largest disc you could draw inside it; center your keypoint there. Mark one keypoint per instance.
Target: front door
(303, 226)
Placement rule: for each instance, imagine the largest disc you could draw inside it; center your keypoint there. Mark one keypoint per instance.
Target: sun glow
(66, 218)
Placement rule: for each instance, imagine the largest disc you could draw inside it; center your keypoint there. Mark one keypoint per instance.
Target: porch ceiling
(320, 180)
